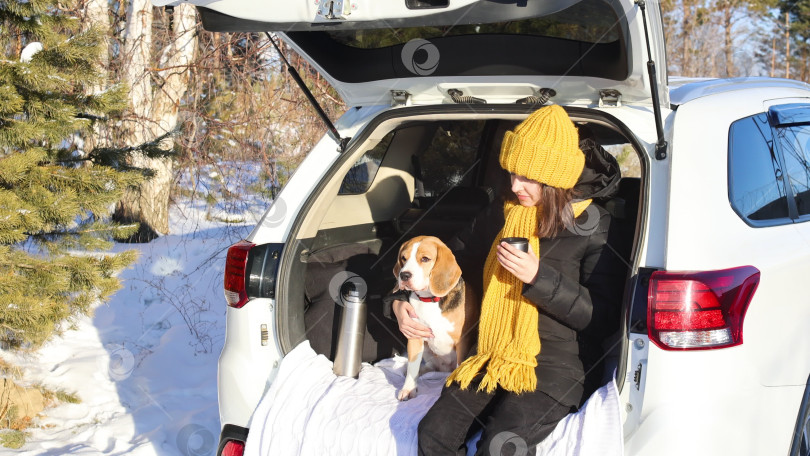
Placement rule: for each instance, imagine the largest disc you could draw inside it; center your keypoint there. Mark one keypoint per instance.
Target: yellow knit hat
(544, 148)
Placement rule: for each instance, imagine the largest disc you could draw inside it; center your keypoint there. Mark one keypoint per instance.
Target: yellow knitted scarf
(508, 339)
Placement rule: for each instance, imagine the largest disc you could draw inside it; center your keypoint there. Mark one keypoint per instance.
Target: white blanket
(308, 410)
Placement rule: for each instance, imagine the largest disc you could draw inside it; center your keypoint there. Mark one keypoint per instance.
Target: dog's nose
(405, 275)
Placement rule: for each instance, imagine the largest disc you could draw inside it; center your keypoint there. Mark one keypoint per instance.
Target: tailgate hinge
(540, 97)
(400, 98)
(610, 98)
(334, 9)
(458, 97)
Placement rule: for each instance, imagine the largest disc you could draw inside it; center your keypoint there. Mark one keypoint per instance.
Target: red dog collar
(430, 299)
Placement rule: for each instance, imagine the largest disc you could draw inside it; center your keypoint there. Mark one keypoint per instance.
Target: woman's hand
(523, 265)
(411, 328)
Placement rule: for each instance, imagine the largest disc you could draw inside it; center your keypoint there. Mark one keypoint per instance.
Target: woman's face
(528, 192)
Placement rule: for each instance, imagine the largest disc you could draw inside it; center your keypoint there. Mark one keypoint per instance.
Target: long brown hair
(556, 213)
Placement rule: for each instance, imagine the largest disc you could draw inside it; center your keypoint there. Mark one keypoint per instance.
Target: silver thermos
(352, 329)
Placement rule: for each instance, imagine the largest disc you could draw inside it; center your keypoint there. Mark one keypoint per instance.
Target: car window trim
(777, 118)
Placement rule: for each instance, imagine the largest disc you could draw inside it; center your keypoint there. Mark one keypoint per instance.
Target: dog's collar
(429, 299)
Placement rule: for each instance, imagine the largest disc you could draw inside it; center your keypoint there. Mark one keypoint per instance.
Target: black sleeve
(592, 303)
(388, 302)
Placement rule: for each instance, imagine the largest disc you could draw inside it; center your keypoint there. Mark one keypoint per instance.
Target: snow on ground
(144, 365)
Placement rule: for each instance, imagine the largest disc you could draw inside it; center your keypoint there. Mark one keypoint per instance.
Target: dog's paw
(405, 394)
(408, 390)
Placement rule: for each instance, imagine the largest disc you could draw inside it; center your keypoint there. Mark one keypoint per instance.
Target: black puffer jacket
(578, 287)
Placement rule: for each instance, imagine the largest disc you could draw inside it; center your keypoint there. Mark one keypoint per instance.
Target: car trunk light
(709, 338)
(235, 266)
(233, 448)
(699, 310)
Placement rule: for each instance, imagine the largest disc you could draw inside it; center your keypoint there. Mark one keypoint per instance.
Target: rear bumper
(245, 365)
(759, 422)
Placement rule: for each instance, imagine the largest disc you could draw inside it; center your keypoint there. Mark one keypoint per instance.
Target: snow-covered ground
(144, 365)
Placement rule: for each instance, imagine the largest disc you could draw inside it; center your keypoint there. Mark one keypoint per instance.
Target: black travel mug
(519, 243)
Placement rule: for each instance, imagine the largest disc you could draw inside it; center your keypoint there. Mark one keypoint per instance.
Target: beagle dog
(428, 269)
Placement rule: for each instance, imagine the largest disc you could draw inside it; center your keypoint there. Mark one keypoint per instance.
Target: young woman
(543, 312)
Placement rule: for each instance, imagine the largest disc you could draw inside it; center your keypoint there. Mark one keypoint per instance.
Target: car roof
(684, 90)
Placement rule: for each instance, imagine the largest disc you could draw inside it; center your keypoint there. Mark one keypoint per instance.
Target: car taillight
(233, 448)
(235, 266)
(699, 310)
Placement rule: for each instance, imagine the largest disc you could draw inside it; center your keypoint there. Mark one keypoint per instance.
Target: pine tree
(55, 197)
(799, 11)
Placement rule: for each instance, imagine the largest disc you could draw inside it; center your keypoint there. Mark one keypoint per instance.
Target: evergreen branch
(9, 328)
(44, 235)
(92, 117)
(22, 266)
(116, 157)
(148, 147)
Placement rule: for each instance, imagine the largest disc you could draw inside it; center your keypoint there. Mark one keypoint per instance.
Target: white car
(713, 354)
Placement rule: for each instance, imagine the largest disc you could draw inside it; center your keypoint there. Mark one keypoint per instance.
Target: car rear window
(587, 39)
(591, 22)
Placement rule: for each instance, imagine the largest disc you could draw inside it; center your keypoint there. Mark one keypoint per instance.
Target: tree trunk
(154, 109)
(787, 45)
(671, 33)
(728, 25)
(686, 33)
(96, 13)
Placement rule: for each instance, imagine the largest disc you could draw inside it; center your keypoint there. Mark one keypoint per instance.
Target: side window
(756, 187)
(794, 143)
(450, 159)
(360, 176)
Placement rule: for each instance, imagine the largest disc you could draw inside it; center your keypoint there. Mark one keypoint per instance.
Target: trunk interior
(416, 171)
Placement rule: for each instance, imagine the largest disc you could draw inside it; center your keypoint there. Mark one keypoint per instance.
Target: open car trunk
(431, 52)
(416, 171)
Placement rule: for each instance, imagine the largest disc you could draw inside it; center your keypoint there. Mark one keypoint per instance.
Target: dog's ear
(397, 267)
(445, 273)
(398, 263)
